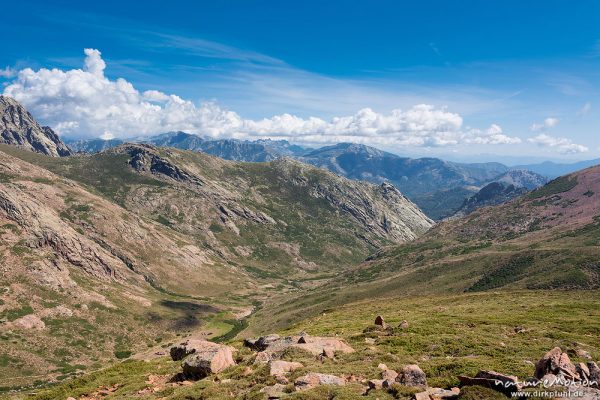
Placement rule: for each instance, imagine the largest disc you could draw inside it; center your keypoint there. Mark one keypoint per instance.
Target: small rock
(313, 379)
(274, 392)
(438, 394)
(280, 367)
(262, 357)
(389, 375)
(380, 322)
(403, 325)
(548, 380)
(412, 375)
(594, 373)
(375, 384)
(582, 370)
(382, 367)
(496, 376)
(583, 354)
(369, 340)
(519, 329)
(328, 353)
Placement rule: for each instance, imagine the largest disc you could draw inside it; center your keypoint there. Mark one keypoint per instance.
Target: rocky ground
(429, 348)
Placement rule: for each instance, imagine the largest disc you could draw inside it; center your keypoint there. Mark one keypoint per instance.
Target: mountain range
(103, 253)
(438, 187)
(125, 252)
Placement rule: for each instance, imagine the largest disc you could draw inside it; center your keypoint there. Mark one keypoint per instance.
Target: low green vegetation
(510, 271)
(446, 336)
(558, 185)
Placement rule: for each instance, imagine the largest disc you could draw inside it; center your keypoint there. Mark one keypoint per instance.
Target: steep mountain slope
(490, 195)
(18, 128)
(84, 281)
(522, 179)
(137, 244)
(504, 188)
(438, 187)
(546, 239)
(230, 207)
(414, 177)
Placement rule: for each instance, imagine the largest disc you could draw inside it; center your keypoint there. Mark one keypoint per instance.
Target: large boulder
(190, 346)
(270, 343)
(558, 363)
(318, 345)
(412, 375)
(263, 342)
(313, 344)
(209, 359)
(313, 379)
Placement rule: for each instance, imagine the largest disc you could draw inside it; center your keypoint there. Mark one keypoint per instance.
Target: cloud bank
(562, 145)
(85, 103)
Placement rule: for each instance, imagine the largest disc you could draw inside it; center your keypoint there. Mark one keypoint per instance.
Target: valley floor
(446, 336)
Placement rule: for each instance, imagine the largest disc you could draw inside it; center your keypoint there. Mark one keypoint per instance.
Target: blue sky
(523, 77)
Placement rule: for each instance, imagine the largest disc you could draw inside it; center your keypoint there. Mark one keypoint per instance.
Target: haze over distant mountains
(438, 187)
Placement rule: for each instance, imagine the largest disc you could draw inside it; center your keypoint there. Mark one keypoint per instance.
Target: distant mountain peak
(19, 128)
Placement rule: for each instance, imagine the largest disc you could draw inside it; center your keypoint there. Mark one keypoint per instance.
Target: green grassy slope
(549, 239)
(447, 336)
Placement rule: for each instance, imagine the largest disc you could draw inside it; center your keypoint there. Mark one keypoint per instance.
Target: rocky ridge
(19, 128)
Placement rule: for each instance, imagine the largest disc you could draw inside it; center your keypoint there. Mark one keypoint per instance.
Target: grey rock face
(19, 128)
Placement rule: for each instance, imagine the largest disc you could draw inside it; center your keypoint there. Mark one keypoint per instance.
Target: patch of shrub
(122, 354)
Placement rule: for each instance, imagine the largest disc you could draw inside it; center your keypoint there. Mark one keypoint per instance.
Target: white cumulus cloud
(85, 103)
(547, 124)
(563, 145)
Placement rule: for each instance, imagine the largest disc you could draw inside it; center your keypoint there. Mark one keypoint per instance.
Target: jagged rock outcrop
(381, 209)
(145, 158)
(19, 128)
(557, 363)
(46, 230)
